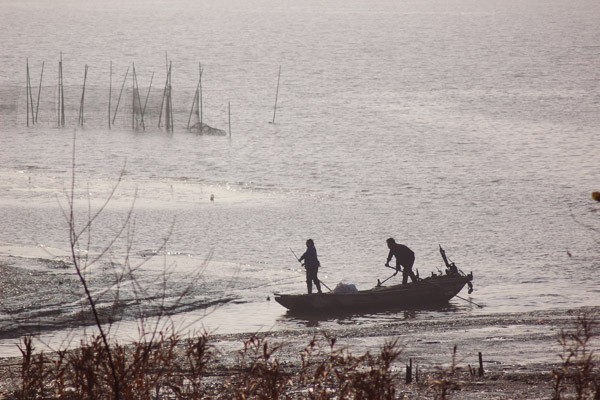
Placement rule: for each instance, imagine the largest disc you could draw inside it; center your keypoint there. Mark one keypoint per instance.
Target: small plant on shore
(578, 374)
(33, 371)
(164, 367)
(445, 380)
(342, 375)
(260, 374)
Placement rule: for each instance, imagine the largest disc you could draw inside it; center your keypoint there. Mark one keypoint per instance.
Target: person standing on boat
(404, 256)
(311, 264)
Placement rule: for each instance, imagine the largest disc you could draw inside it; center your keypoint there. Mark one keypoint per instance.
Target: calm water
(470, 124)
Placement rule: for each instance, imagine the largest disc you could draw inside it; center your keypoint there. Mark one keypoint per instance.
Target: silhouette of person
(311, 264)
(404, 256)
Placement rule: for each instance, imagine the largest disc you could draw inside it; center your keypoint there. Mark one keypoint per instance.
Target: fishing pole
(320, 281)
(295, 255)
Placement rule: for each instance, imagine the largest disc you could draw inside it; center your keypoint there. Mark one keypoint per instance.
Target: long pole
(81, 104)
(162, 103)
(109, 94)
(27, 90)
(169, 114)
(133, 79)
(137, 98)
(120, 93)
(276, 95)
(58, 102)
(192, 109)
(147, 95)
(30, 95)
(62, 93)
(200, 102)
(37, 107)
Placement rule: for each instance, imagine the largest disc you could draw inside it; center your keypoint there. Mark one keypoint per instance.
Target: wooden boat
(431, 291)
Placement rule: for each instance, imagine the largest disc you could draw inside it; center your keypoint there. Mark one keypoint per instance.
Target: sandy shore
(519, 351)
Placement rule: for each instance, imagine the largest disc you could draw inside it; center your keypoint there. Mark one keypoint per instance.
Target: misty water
(467, 124)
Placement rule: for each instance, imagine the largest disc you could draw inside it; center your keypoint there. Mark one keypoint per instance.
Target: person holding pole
(311, 264)
(404, 256)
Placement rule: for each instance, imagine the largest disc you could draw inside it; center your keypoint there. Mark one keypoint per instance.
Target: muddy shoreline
(519, 351)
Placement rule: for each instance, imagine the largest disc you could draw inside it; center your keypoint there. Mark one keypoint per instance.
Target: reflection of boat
(433, 290)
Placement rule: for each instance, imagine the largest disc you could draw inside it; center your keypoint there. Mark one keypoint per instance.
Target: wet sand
(519, 351)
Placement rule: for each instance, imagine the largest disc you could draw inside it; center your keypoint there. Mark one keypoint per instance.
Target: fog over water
(470, 124)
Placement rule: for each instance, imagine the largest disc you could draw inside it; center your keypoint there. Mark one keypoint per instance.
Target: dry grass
(578, 375)
(169, 367)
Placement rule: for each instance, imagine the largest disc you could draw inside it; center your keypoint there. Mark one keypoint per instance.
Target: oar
(395, 273)
(387, 279)
(320, 281)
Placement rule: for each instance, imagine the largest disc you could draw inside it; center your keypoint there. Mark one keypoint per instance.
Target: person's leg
(409, 272)
(308, 282)
(408, 269)
(317, 282)
(404, 275)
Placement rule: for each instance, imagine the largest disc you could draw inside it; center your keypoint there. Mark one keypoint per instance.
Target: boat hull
(424, 293)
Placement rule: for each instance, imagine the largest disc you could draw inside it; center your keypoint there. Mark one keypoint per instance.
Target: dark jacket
(311, 262)
(404, 255)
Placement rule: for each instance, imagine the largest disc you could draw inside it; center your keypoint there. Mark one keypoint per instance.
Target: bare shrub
(342, 375)
(578, 374)
(259, 375)
(445, 379)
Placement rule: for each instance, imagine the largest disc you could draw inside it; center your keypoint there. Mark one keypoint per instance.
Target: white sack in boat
(345, 288)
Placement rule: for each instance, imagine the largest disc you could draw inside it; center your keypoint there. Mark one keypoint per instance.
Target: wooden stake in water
(37, 107)
(169, 113)
(61, 94)
(109, 94)
(147, 95)
(167, 103)
(29, 98)
(137, 101)
(276, 95)
(166, 100)
(164, 103)
(27, 89)
(58, 94)
(201, 103)
(133, 79)
(81, 103)
(120, 93)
